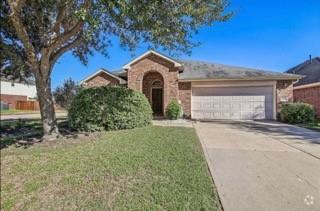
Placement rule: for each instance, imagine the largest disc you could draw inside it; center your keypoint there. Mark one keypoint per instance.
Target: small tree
(36, 33)
(64, 94)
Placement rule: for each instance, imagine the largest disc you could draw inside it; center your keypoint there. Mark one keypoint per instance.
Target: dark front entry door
(157, 101)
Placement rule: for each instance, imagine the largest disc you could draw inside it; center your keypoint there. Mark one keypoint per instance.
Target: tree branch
(15, 7)
(60, 17)
(66, 36)
(56, 55)
(76, 28)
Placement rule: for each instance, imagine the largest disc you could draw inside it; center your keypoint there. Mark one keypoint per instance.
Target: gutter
(307, 86)
(240, 79)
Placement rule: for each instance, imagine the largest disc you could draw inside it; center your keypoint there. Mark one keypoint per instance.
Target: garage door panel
(232, 91)
(232, 103)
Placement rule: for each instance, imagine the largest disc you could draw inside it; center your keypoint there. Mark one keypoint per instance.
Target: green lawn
(312, 126)
(152, 168)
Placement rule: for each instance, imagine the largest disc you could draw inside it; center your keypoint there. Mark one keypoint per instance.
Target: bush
(109, 108)
(297, 113)
(174, 110)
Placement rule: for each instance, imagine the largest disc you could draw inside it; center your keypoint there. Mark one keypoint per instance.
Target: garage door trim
(239, 84)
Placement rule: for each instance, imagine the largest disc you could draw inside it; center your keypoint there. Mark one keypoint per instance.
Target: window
(156, 83)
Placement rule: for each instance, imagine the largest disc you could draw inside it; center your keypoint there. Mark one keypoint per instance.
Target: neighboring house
(205, 90)
(307, 89)
(12, 91)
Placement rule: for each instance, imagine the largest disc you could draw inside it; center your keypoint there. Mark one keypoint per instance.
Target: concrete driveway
(263, 165)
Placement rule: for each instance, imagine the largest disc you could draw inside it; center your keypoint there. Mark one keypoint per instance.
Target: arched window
(156, 84)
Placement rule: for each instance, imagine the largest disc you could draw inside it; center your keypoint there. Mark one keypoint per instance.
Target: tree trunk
(48, 116)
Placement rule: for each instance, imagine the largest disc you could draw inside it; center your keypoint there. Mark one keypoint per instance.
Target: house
(14, 91)
(307, 89)
(205, 90)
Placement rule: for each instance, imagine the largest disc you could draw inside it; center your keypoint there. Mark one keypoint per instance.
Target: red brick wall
(309, 95)
(284, 93)
(101, 79)
(185, 97)
(166, 69)
(12, 99)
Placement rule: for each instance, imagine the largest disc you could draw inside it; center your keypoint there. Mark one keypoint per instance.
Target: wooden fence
(27, 105)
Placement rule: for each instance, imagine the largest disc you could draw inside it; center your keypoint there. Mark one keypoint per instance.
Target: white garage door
(232, 102)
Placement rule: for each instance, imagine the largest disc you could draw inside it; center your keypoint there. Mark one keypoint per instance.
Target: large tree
(36, 33)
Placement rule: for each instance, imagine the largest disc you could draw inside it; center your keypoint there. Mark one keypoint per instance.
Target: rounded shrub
(297, 113)
(174, 110)
(109, 108)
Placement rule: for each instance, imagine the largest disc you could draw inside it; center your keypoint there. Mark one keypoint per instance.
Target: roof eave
(307, 86)
(128, 66)
(240, 79)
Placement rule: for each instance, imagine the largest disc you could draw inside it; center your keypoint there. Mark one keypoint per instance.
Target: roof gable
(176, 63)
(310, 69)
(101, 70)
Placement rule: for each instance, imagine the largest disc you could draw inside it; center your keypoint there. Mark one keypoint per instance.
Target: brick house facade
(160, 78)
(102, 80)
(11, 100)
(284, 92)
(309, 94)
(102, 77)
(307, 89)
(143, 73)
(14, 91)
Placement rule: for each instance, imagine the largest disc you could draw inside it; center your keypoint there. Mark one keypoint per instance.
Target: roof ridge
(234, 66)
(302, 65)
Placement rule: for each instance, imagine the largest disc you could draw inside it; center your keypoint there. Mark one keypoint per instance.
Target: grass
(312, 126)
(22, 129)
(13, 111)
(152, 168)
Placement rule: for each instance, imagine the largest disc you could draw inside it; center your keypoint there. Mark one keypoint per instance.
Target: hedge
(297, 113)
(109, 108)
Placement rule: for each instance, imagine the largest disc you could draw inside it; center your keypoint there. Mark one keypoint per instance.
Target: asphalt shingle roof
(309, 69)
(203, 70)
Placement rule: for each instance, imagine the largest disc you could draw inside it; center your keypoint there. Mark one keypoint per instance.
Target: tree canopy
(85, 26)
(36, 33)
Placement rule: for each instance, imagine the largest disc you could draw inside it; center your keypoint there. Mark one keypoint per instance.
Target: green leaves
(82, 14)
(163, 24)
(296, 113)
(174, 110)
(109, 108)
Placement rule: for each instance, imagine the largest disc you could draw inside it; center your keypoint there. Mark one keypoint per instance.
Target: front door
(157, 101)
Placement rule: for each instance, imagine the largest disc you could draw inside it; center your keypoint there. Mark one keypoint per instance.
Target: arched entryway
(152, 87)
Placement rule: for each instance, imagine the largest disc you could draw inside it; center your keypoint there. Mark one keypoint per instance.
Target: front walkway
(173, 123)
(263, 166)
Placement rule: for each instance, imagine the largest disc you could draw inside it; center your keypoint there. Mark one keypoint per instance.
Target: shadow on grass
(26, 132)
